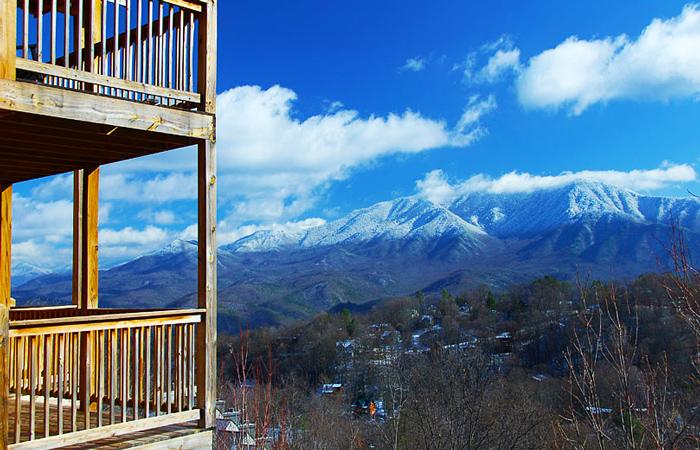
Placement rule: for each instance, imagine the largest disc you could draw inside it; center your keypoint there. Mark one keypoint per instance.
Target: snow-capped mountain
(398, 247)
(475, 216)
(23, 272)
(410, 223)
(523, 214)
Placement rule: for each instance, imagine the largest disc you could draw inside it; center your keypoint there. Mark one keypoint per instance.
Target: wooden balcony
(103, 377)
(125, 77)
(84, 83)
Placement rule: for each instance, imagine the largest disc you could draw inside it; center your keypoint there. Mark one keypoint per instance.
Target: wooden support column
(85, 241)
(85, 268)
(206, 285)
(8, 38)
(5, 264)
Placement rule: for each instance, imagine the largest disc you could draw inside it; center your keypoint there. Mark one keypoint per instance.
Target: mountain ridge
(405, 245)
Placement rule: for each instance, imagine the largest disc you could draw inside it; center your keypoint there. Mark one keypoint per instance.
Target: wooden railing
(142, 50)
(99, 374)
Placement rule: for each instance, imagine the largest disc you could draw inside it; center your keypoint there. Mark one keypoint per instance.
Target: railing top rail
(109, 320)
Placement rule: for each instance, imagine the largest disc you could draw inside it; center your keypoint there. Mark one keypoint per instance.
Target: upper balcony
(124, 77)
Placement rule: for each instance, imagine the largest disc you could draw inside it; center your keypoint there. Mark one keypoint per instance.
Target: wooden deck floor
(184, 431)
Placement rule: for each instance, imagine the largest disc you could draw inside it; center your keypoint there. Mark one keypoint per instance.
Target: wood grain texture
(108, 81)
(86, 107)
(89, 235)
(206, 285)
(8, 36)
(207, 57)
(5, 243)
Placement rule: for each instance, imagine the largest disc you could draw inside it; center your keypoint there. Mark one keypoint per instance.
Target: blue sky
(325, 107)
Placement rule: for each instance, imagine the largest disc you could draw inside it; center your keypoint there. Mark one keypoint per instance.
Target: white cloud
(274, 166)
(129, 242)
(499, 63)
(468, 128)
(414, 64)
(436, 187)
(129, 235)
(661, 64)
(157, 188)
(503, 58)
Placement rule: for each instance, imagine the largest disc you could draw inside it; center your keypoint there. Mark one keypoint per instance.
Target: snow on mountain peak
(176, 247)
(482, 213)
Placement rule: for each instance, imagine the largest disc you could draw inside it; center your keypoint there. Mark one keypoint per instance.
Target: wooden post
(8, 39)
(85, 267)
(5, 263)
(85, 239)
(206, 284)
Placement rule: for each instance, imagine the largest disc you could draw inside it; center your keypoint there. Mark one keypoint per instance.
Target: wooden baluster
(32, 343)
(127, 47)
(61, 379)
(100, 385)
(161, 46)
(54, 31)
(176, 388)
(90, 31)
(169, 368)
(170, 45)
(191, 52)
(85, 390)
(48, 347)
(190, 355)
(150, 42)
(185, 364)
(39, 30)
(159, 369)
(25, 30)
(112, 375)
(104, 37)
(116, 67)
(66, 34)
(139, 58)
(78, 37)
(74, 376)
(147, 372)
(123, 371)
(136, 371)
(181, 367)
(18, 388)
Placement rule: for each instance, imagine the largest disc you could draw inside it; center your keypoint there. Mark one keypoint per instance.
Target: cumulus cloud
(416, 64)
(436, 187)
(274, 165)
(662, 63)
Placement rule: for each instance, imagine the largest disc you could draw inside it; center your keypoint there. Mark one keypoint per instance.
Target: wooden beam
(87, 107)
(8, 39)
(5, 263)
(206, 284)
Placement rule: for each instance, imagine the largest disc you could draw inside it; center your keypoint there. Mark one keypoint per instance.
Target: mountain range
(399, 247)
